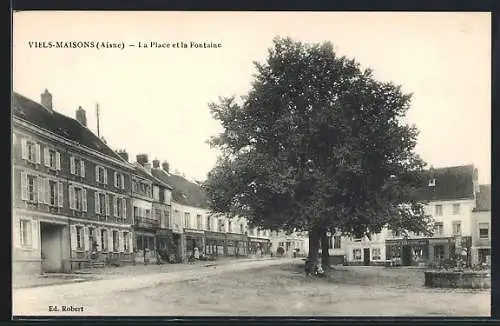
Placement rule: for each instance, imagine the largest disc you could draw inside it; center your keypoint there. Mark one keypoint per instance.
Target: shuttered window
(25, 229)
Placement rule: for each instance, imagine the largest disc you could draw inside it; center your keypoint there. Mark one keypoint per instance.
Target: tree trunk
(325, 246)
(313, 263)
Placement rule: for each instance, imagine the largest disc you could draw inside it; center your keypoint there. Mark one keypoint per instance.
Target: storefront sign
(407, 242)
(176, 229)
(441, 241)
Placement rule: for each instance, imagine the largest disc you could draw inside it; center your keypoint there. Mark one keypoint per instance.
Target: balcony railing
(147, 223)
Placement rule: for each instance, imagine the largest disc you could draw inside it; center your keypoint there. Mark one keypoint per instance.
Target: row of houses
(461, 209)
(77, 202)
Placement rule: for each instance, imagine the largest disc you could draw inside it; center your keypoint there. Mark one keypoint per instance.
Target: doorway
(51, 247)
(366, 256)
(406, 256)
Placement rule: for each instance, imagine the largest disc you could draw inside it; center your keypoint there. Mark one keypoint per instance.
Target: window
(438, 228)
(79, 238)
(104, 240)
(25, 232)
(336, 242)
(167, 218)
(158, 214)
(376, 253)
(242, 229)
(258, 233)
(101, 203)
(439, 210)
(53, 193)
(32, 188)
(148, 213)
(198, 222)
(330, 242)
(100, 175)
(168, 196)
(457, 227)
(30, 151)
(156, 193)
(52, 159)
(186, 220)
(439, 252)
(209, 223)
(356, 254)
(119, 180)
(120, 207)
(92, 239)
(432, 182)
(125, 241)
(230, 227)
(135, 186)
(456, 209)
(484, 230)
(77, 198)
(221, 225)
(77, 166)
(115, 241)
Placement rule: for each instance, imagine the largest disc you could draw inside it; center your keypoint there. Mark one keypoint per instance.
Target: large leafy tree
(317, 145)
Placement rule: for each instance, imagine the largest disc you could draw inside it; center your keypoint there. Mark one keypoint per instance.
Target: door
(406, 256)
(366, 259)
(51, 247)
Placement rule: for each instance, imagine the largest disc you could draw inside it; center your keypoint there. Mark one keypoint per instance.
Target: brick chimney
(142, 159)
(46, 100)
(123, 154)
(165, 166)
(156, 164)
(80, 116)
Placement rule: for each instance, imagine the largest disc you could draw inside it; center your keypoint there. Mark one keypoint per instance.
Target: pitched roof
(143, 173)
(59, 124)
(483, 199)
(184, 191)
(451, 183)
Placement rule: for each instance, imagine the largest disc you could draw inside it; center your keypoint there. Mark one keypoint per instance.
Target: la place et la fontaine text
(179, 45)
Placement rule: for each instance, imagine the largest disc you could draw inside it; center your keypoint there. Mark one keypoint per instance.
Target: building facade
(481, 227)
(63, 213)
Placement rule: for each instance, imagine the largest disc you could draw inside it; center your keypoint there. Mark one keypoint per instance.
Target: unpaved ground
(267, 290)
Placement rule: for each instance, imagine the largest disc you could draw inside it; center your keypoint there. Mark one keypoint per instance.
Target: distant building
(481, 227)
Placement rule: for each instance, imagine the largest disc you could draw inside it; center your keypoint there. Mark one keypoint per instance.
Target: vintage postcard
(251, 163)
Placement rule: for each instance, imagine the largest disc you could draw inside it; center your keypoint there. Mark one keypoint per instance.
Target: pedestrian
(196, 253)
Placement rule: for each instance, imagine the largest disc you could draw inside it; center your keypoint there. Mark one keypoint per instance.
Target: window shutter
(37, 153)
(124, 209)
(86, 245)
(116, 179)
(34, 234)
(24, 149)
(60, 194)
(105, 176)
(130, 242)
(48, 193)
(97, 203)
(73, 238)
(96, 173)
(110, 240)
(120, 241)
(71, 195)
(24, 186)
(16, 233)
(115, 205)
(58, 161)
(84, 199)
(106, 198)
(41, 193)
(98, 238)
(72, 165)
(82, 168)
(123, 181)
(46, 156)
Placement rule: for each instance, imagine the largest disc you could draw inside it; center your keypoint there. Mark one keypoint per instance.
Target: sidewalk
(108, 273)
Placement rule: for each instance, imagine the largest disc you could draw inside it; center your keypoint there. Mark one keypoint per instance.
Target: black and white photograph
(232, 163)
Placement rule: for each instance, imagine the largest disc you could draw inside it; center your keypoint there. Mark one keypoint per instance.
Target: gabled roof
(59, 124)
(483, 199)
(184, 191)
(451, 183)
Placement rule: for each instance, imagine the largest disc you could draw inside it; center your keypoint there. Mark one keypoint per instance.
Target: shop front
(145, 247)
(408, 252)
(214, 243)
(194, 239)
(236, 244)
(449, 248)
(259, 246)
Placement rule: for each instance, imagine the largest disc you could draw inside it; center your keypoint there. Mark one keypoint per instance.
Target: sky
(155, 100)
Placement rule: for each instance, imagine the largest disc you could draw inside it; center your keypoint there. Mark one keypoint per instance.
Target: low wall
(468, 280)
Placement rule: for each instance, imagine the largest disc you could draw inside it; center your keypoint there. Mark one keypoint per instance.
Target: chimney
(147, 166)
(80, 116)
(165, 166)
(142, 159)
(123, 154)
(156, 164)
(46, 100)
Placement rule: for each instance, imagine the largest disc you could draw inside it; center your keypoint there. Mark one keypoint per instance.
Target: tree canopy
(317, 142)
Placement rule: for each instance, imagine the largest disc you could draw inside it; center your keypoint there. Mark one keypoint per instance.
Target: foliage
(317, 143)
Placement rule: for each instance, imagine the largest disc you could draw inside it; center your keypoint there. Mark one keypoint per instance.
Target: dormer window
(432, 182)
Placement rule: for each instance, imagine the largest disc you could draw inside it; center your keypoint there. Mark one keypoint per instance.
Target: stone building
(65, 205)
(481, 227)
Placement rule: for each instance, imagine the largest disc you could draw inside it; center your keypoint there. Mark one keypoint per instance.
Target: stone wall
(470, 280)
